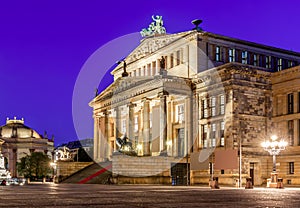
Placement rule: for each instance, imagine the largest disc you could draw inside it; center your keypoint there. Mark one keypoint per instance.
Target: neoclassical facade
(194, 93)
(19, 141)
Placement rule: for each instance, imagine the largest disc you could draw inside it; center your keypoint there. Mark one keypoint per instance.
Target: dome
(16, 129)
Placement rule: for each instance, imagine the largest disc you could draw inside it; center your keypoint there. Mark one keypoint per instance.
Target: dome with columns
(15, 128)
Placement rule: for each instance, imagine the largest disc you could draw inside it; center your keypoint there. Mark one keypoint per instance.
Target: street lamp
(274, 147)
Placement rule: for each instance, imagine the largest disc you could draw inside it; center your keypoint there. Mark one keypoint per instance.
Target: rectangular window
(222, 104)
(222, 129)
(180, 113)
(213, 106)
(204, 108)
(255, 60)
(171, 60)
(204, 135)
(136, 124)
(290, 64)
(290, 102)
(149, 70)
(291, 167)
(244, 57)
(177, 57)
(213, 134)
(123, 127)
(231, 55)
(154, 68)
(268, 62)
(291, 132)
(139, 72)
(279, 64)
(218, 53)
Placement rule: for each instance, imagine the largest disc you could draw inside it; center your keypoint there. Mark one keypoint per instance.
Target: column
(163, 121)
(170, 141)
(195, 121)
(102, 139)
(188, 125)
(96, 139)
(118, 122)
(146, 125)
(106, 134)
(157, 70)
(131, 121)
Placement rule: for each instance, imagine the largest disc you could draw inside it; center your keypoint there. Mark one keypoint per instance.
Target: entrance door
(252, 172)
(180, 147)
(179, 173)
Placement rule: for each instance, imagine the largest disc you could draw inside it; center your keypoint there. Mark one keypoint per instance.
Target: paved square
(94, 195)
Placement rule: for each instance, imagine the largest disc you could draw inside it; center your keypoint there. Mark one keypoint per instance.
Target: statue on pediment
(156, 27)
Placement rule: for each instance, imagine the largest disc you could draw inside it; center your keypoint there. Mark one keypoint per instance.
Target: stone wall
(65, 169)
(142, 170)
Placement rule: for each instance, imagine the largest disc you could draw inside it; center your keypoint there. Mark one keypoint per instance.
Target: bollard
(249, 184)
(279, 183)
(214, 184)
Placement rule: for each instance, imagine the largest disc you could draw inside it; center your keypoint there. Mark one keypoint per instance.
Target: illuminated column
(170, 142)
(118, 122)
(146, 125)
(163, 120)
(188, 125)
(157, 67)
(131, 121)
(102, 138)
(106, 135)
(96, 139)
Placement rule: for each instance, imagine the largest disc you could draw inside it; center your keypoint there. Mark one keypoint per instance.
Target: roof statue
(156, 27)
(124, 74)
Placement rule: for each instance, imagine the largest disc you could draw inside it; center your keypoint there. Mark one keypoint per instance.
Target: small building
(21, 140)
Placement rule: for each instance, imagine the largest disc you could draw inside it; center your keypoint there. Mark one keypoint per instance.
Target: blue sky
(45, 44)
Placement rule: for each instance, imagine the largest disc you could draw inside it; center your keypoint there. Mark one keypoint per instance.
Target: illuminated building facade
(186, 95)
(19, 141)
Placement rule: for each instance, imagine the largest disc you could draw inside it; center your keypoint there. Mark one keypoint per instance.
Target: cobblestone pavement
(94, 195)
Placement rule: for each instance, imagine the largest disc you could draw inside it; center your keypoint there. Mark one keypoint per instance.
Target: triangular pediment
(152, 44)
(120, 85)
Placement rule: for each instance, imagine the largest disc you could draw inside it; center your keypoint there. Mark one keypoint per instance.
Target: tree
(34, 166)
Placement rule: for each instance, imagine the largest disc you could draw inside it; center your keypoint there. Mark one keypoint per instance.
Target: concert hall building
(197, 104)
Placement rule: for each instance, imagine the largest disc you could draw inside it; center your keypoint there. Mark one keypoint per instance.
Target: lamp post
(274, 147)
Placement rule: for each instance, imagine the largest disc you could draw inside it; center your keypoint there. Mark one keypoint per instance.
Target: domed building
(19, 141)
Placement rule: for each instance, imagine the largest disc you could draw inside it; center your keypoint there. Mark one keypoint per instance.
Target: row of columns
(103, 151)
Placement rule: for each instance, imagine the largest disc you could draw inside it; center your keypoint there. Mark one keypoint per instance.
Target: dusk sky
(45, 44)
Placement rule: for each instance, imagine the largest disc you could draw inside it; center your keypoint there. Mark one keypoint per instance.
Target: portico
(151, 111)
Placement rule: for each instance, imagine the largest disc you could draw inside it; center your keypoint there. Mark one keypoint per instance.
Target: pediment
(153, 44)
(120, 85)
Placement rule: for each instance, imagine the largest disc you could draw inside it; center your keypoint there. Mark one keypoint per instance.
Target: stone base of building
(117, 179)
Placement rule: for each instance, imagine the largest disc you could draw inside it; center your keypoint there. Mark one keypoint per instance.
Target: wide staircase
(97, 173)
